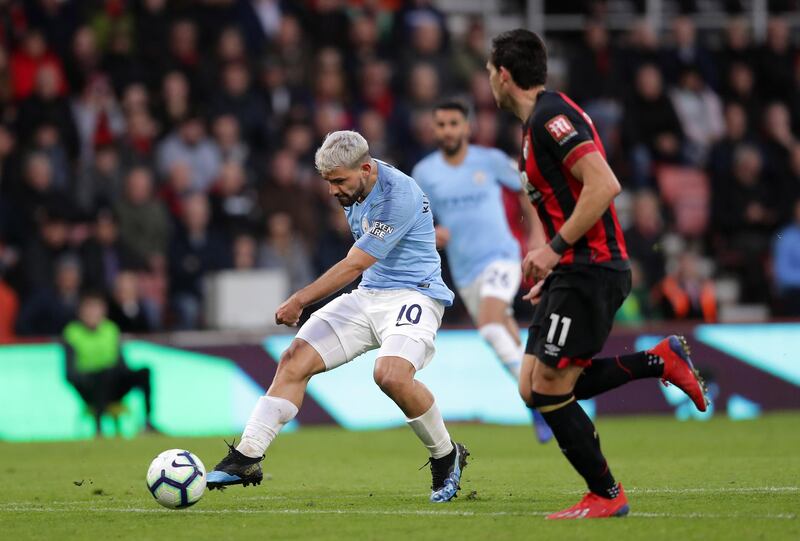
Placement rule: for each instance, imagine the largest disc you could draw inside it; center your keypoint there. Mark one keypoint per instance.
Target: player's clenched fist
(289, 312)
(539, 262)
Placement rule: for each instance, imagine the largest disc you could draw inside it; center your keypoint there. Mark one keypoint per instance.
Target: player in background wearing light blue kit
(396, 309)
(464, 183)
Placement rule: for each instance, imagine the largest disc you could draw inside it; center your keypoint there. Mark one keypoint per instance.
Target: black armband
(559, 245)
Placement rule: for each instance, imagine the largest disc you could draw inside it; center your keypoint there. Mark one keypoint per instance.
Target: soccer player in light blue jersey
(464, 185)
(397, 309)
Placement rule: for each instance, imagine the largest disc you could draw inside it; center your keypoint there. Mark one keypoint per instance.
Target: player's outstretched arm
(338, 276)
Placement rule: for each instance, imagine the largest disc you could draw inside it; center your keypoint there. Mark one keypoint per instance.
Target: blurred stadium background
(161, 152)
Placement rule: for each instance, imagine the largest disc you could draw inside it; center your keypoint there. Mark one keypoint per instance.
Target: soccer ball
(176, 479)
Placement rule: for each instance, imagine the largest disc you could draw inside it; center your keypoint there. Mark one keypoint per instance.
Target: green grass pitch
(712, 480)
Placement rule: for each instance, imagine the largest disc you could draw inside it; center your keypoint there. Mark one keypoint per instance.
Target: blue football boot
(446, 473)
(235, 469)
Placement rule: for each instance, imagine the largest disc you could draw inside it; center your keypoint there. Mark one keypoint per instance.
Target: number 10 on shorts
(565, 323)
(412, 315)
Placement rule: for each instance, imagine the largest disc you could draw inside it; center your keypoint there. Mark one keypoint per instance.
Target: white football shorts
(398, 322)
(500, 279)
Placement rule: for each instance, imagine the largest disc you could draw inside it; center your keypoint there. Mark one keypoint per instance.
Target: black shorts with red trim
(575, 313)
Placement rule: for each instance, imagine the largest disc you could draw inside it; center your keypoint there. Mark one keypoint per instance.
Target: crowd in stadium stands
(146, 143)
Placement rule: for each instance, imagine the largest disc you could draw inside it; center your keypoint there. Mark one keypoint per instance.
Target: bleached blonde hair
(347, 149)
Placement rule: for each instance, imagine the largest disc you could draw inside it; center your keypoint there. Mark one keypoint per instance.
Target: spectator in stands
(94, 363)
(228, 142)
(364, 45)
(284, 249)
(43, 249)
(46, 103)
(143, 221)
(235, 97)
(98, 117)
(741, 88)
(178, 184)
(151, 32)
(28, 60)
(786, 255)
(137, 144)
(83, 59)
(790, 192)
(328, 24)
(744, 214)
(699, 110)
(123, 67)
(46, 140)
(720, 159)
(279, 97)
(190, 145)
(644, 238)
(196, 249)
(687, 293)
(775, 61)
(686, 51)
(335, 241)
(651, 129)
(176, 101)
(104, 255)
(642, 47)
(291, 50)
(245, 252)
(777, 144)
(737, 48)
(281, 194)
(49, 308)
(426, 45)
(469, 56)
(184, 54)
(234, 202)
(593, 81)
(101, 184)
(127, 308)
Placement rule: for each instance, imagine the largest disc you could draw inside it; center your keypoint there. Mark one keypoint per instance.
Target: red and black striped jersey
(557, 134)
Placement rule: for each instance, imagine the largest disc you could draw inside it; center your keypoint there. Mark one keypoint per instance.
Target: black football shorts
(576, 312)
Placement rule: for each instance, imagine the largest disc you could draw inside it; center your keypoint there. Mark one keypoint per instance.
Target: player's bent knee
(392, 376)
(296, 363)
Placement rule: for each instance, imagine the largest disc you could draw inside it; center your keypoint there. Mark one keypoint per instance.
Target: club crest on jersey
(561, 129)
(479, 177)
(364, 225)
(380, 230)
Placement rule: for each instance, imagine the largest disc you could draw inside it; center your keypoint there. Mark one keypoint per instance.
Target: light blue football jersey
(467, 200)
(394, 225)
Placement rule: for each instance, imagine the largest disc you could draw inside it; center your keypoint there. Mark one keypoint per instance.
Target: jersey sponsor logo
(426, 204)
(561, 129)
(380, 230)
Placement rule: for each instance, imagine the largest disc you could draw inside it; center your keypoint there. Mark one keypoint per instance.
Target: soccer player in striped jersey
(582, 272)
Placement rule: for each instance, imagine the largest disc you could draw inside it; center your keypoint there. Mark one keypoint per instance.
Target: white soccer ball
(176, 479)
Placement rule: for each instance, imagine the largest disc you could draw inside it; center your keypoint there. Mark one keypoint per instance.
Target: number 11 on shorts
(565, 323)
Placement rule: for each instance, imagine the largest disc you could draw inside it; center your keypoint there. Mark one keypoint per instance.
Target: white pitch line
(322, 497)
(411, 512)
(714, 490)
